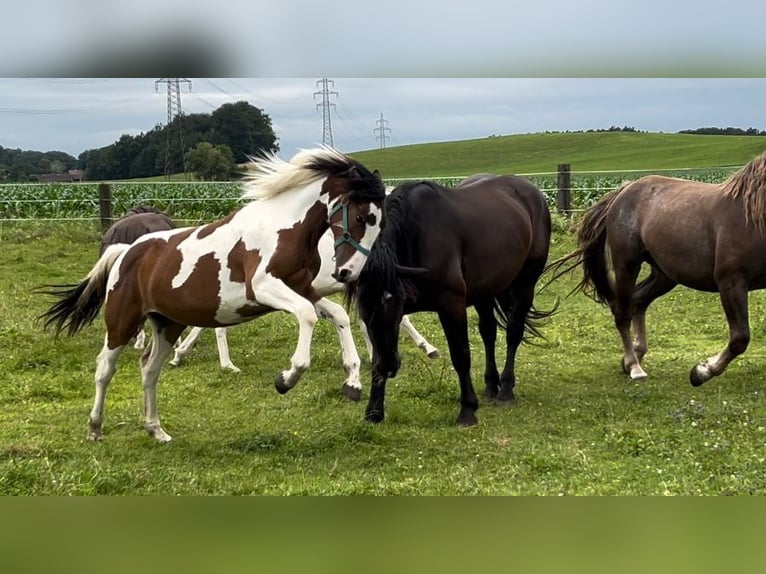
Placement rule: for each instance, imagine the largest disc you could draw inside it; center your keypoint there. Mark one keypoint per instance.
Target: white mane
(269, 175)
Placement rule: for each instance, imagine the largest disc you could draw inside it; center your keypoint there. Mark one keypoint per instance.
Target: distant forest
(241, 127)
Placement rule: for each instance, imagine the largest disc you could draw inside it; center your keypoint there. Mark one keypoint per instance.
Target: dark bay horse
(260, 258)
(709, 237)
(483, 244)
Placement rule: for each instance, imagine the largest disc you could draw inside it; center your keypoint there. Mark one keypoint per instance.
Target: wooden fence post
(564, 194)
(105, 205)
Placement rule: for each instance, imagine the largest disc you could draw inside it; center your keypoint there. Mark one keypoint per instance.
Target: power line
(382, 127)
(174, 111)
(326, 105)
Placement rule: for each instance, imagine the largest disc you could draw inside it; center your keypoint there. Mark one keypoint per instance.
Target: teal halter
(346, 237)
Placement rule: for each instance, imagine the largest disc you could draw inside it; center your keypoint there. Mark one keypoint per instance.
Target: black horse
(483, 244)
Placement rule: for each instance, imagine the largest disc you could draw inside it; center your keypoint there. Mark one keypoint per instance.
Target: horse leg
(106, 365)
(733, 294)
(277, 295)
(625, 274)
(430, 351)
(185, 346)
(488, 331)
(367, 341)
(222, 343)
(452, 315)
(164, 335)
(654, 286)
(140, 342)
(326, 309)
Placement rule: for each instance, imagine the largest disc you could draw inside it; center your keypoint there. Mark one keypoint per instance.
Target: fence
(567, 191)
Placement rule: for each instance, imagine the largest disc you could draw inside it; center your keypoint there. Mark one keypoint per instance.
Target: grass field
(578, 426)
(541, 153)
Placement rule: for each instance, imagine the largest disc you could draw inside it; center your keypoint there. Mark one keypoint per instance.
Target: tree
(245, 129)
(210, 162)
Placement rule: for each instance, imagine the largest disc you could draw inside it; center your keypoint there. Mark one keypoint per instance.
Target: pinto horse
(357, 234)
(260, 258)
(709, 237)
(483, 244)
(139, 221)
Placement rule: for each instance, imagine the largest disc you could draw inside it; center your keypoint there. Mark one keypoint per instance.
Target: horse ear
(376, 173)
(411, 271)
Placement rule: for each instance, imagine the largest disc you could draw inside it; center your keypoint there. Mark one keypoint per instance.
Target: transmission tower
(382, 128)
(174, 110)
(325, 104)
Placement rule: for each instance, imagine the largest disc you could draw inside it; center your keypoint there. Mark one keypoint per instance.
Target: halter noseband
(342, 205)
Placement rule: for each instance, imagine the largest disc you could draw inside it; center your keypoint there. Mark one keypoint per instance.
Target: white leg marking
(419, 339)
(351, 362)
(106, 365)
(223, 350)
(185, 346)
(637, 373)
(367, 341)
(272, 292)
(150, 372)
(140, 340)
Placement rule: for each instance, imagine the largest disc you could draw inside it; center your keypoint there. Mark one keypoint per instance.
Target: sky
(76, 114)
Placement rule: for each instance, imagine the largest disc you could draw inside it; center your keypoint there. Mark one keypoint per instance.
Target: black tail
(79, 304)
(533, 321)
(590, 253)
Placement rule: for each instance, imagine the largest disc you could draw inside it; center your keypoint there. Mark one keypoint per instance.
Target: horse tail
(590, 253)
(533, 320)
(79, 304)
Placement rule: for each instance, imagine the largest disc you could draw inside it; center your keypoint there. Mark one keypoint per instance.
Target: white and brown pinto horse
(260, 258)
(353, 237)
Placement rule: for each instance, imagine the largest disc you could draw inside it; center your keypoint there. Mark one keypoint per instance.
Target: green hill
(589, 151)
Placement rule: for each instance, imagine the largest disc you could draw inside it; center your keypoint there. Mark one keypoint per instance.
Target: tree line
(212, 145)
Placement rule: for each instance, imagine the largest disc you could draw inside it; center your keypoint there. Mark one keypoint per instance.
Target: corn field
(193, 202)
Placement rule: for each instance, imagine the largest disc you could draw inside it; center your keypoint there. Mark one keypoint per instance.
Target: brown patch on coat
(296, 259)
(242, 264)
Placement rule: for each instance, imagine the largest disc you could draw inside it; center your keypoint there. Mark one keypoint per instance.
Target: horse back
(130, 228)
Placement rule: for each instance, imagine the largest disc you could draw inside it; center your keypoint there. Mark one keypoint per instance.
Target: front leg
(326, 309)
(275, 294)
(455, 324)
(375, 411)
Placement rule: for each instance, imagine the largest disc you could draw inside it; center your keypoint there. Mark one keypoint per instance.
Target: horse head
(355, 223)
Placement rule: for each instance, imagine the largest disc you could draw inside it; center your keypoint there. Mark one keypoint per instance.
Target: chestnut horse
(483, 244)
(260, 258)
(709, 237)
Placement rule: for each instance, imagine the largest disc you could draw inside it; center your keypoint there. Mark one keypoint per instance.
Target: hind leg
(106, 365)
(422, 343)
(185, 346)
(488, 332)
(651, 288)
(626, 273)
(164, 335)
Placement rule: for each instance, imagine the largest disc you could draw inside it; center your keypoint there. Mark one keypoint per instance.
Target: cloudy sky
(77, 114)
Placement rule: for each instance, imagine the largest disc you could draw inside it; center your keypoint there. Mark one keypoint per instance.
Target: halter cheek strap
(346, 236)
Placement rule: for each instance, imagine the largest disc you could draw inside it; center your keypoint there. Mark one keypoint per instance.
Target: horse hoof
(374, 416)
(433, 354)
(695, 378)
(489, 394)
(280, 385)
(351, 393)
(467, 420)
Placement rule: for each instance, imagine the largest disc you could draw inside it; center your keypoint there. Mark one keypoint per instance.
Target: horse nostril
(341, 275)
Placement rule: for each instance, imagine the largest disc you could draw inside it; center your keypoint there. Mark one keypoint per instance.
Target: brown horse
(260, 258)
(704, 236)
(483, 244)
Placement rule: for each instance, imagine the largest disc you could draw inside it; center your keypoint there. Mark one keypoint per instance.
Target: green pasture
(579, 427)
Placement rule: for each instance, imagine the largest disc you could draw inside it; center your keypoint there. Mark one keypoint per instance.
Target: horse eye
(360, 219)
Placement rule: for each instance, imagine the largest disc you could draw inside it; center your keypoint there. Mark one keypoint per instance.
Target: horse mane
(748, 185)
(270, 175)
